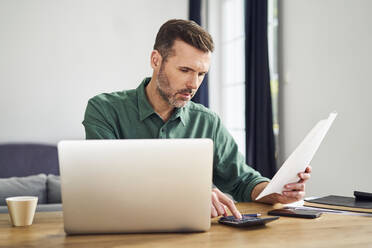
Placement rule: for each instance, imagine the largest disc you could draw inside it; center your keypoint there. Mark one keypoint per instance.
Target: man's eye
(184, 70)
(201, 74)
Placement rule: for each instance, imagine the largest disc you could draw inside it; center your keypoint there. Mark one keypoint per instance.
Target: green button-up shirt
(129, 115)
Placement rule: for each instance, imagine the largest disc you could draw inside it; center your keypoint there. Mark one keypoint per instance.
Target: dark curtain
(201, 95)
(260, 145)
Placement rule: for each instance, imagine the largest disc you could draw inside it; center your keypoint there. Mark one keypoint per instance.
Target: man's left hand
(293, 191)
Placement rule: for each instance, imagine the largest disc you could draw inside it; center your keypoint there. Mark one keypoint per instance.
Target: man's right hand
(219, 203)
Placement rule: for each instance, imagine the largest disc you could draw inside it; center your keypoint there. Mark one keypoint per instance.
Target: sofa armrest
(54, 189)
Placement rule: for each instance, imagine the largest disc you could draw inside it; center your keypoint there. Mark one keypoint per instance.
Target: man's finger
(231, 205)
(295, 186)
(297, 195)
(304, 176)
(213, 212)
(218, 205)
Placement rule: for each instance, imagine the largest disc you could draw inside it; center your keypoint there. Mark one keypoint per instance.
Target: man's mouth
(185, 96)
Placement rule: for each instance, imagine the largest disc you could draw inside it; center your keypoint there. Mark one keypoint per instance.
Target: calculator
(245, 221)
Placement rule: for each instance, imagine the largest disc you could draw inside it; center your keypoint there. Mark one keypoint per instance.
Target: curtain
(201, 95)
(260, 144)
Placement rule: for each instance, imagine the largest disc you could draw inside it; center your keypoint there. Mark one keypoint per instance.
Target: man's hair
(187, 31)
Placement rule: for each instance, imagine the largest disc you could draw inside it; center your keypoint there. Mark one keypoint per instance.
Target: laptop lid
(129, 186)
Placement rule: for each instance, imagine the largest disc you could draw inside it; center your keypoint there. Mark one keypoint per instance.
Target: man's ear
(156, 59)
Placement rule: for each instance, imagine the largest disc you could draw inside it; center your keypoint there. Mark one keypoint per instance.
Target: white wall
(55, 55)
(326, 54)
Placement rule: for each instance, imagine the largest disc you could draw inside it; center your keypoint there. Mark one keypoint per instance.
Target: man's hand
(293, 191)
(219, 203)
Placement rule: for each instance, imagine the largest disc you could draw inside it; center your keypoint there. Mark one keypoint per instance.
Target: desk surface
(330, 230)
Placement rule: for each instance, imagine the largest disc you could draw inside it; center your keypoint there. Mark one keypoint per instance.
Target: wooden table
(330, 230)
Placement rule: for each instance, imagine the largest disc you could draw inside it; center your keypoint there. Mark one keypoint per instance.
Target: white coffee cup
(21, 209)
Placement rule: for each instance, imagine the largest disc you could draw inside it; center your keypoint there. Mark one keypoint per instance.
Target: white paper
(299, 159)
(299, 205)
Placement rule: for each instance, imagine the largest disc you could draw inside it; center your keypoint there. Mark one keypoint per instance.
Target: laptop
(136, 186)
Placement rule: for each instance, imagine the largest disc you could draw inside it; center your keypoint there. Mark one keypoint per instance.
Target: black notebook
(340, 203)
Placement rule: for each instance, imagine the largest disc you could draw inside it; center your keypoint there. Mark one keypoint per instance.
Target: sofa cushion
(53, 189)
(24, 186)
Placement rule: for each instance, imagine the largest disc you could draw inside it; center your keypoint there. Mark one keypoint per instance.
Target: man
(161, 108)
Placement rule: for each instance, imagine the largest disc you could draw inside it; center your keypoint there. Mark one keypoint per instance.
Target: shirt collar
(145, 109)
(180, 113)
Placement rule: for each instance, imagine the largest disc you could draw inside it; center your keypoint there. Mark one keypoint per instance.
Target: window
(233, 70)
(227, 75)
(272, 32)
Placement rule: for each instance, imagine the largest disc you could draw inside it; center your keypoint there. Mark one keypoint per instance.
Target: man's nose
(193, 82)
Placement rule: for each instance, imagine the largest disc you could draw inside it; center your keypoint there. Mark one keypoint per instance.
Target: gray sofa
(30, 170)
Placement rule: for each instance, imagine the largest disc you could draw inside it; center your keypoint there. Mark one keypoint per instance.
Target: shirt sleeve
(230, 172)
(96, 124)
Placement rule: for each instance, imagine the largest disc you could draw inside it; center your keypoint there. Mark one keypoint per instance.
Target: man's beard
(167, 93)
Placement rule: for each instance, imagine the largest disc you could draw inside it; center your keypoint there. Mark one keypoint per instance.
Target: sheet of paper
(299, 205)
(299, 159)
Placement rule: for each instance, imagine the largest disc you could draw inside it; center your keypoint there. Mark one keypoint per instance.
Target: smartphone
(245, 221)
(309, 214)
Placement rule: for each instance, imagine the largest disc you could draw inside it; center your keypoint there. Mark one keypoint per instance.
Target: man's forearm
(257, 190)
